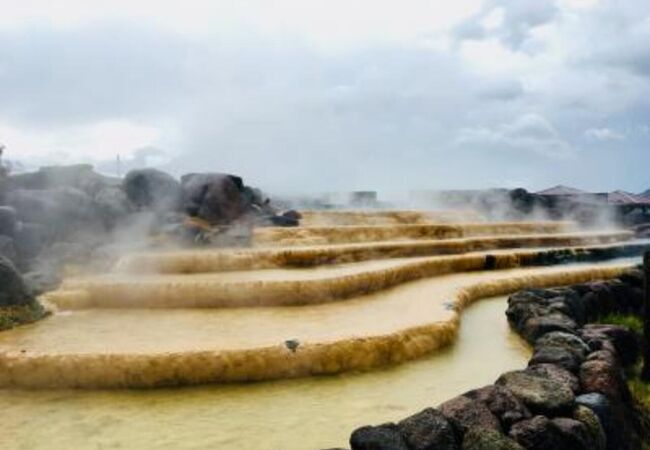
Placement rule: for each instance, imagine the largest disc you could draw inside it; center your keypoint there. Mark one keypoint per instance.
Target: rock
(601, 407)
(112, 205)
(540, 395)
(538, 433)
(535, 327)
(282, 221)
(13, 290)
(152, 189)
(556, 373)
(594, 427)
(603, 377)
(42, 280)
(78, 176)
(625, 340)
(382, 437)
(566, 340)
(502, 403)
(214, 197)
(292, 214)
(574, 433)
(7, 248)
(487, 439)
(465, 413)
(30, 240)
(559, 356)
(428, 430)
(7, 221)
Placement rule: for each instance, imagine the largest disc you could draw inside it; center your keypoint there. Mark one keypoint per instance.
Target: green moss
(634, 323)
(12, 316)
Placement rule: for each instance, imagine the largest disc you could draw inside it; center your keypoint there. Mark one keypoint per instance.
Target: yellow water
(149, 348)
(306, 413)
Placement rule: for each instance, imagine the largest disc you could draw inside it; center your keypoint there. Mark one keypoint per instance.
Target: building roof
(562, 190)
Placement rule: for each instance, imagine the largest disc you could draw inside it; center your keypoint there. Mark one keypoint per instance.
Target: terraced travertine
(384, 217)
(324, 235)
(199, 261)
(146, 348)
(278, 287)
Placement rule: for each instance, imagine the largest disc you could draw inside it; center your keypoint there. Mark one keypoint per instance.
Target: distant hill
(645, 194)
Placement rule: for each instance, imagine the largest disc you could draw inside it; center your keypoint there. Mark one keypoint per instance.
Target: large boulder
(79, 176)
(428, 430)
(382, 437)
(605, 377)
(624, 340)
(152, 189)
(7, 221)
(559, 356)
(556, 373)
(538, 433)
(502, 403)
(539, 394)
(465, 413)
(13, 290)
(487, 439)
(214, 197)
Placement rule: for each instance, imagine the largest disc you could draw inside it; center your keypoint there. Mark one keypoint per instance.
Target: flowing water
(306, 413)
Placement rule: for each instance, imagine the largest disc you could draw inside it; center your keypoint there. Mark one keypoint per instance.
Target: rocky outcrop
(572, 396)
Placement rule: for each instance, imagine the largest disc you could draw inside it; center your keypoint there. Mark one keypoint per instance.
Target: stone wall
(573, 395)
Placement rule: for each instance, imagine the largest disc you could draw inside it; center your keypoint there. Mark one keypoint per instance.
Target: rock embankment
(573, 395)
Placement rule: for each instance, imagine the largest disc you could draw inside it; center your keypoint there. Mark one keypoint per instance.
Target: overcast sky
(305, 95)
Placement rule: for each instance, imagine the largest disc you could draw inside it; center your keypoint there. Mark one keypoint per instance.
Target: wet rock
(556, 373)
(465, 413)
(574, 434)
(602, 376)
(214, 197)
(428, 430)
(7, 221)
(535, 327)
(594, 427)
(538, 433)
(502, 403)
(625, 341)
(13, 290)
(152, 189)
(559, 356)
(382, 437)
(539, 394)
(487, 439)
(565, 340)
(602, 408)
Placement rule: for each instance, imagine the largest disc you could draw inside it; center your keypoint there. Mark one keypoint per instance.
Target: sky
(302, 96)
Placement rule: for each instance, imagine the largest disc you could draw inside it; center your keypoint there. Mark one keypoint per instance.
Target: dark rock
(556, 373)
(30, 240)
(566, 340)
(603, 377)
(538, 433)
(574, 433)
(594, 427)
(560, 356)
(535, 327)
(7, 221)
(502, 403)
(214, 197)
(112, 205)
(465, 413)
(7, 248)
(382, 437)
(428, 430)
(78, 176)
(487, 439)
(152, 189)
(602, 408)
(13, 290)
(292, 214)
(539, 394)
(625, 341)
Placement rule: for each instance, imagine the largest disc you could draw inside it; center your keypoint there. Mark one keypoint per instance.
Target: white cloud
(604, 134)
(530, 133)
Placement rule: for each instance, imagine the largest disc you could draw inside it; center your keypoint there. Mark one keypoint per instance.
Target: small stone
(382, 437)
